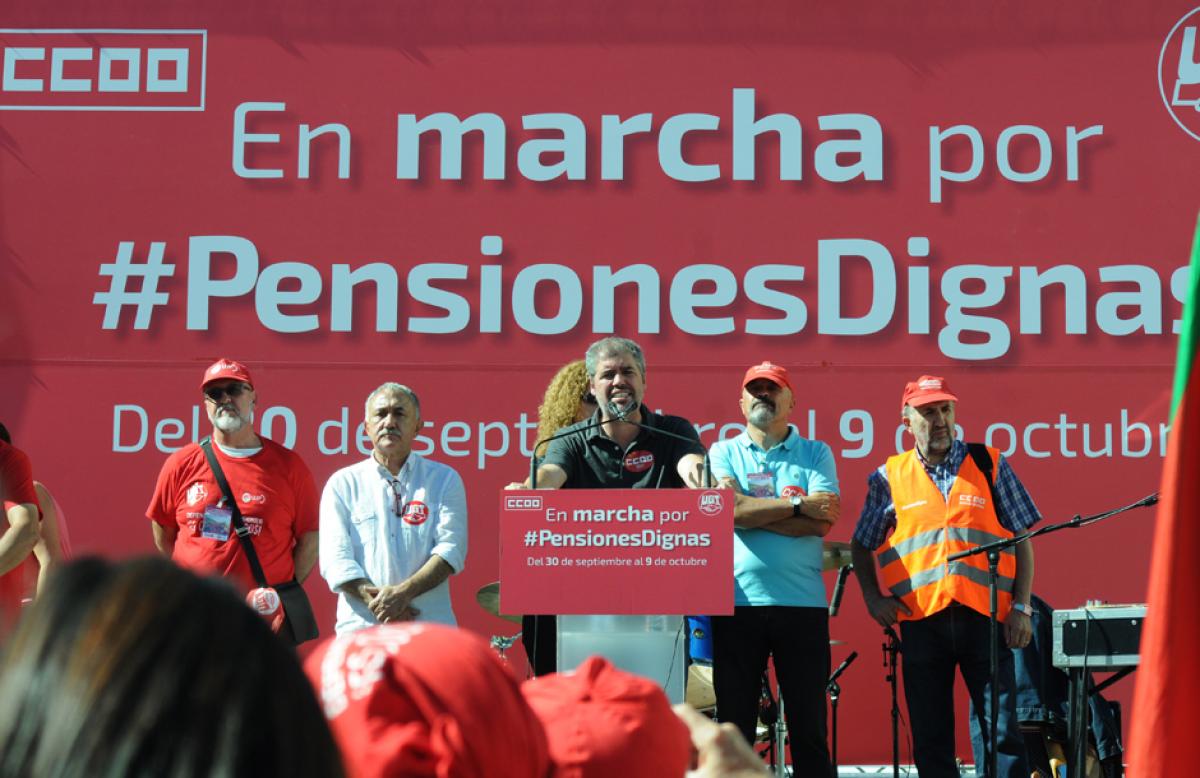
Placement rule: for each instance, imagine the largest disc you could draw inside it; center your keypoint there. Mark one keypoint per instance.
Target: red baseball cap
(418, 699)
(772, 372)
(603, 722)
(926, 389)
(226, 368)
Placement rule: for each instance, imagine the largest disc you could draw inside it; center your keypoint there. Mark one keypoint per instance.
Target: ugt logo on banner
(1179, 74)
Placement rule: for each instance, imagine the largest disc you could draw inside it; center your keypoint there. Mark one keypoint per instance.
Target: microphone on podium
(621, 414)
(533, 455)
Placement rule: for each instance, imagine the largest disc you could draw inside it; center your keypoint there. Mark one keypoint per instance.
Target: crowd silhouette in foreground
(141, 668)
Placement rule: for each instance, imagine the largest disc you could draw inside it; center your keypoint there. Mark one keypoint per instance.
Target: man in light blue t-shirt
(787, 500)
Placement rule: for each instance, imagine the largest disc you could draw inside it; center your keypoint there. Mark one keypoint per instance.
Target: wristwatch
(797, 501)
(1021, 607)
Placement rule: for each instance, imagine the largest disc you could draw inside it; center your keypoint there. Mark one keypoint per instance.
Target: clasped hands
(388, 603)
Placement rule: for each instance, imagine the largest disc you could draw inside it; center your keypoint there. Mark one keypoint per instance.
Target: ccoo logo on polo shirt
(792, 491)
(639, 461)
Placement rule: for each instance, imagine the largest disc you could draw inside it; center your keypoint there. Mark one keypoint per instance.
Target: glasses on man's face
(219, 393)
(397, 499)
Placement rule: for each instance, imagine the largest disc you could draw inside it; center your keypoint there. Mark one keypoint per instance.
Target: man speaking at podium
(787, 500)
(618, 446)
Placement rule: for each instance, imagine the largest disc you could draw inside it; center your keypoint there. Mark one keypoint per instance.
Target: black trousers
(539, 635)
(798, 639)
(932, 647)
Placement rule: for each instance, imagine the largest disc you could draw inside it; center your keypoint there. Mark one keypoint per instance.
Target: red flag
(1166, 701)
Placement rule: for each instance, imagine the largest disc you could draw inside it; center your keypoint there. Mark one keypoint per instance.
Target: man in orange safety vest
(939, 498)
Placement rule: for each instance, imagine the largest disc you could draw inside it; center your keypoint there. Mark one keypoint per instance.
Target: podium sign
(616, 551)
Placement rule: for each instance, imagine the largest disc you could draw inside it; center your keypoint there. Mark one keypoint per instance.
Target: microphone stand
(533, 468)
(839, 588)
(993, 551)
(533, 457)
(835, 692)
(890, 649)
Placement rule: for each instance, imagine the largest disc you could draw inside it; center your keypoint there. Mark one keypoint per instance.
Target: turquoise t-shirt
(771, 569)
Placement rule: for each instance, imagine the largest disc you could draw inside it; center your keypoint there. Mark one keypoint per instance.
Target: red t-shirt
(277, 498)
(16, 477)
(16, 488)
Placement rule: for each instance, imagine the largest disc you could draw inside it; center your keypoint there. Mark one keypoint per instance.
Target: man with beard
(394, 526)
(935, 500)
(623, 452)
(619, 446)
(786, 501)
(277, 497)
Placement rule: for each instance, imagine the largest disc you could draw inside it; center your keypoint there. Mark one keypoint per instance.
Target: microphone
(842, 667)
(621, 416)
(839, 588)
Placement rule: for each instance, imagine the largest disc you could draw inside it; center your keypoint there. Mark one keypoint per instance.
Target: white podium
(651, 646)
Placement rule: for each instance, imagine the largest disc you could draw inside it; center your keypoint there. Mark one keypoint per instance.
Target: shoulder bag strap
(238, 525)
(983, 460)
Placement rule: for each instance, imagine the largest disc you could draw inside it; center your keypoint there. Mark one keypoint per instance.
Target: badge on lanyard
(216, 523)
(760, 484)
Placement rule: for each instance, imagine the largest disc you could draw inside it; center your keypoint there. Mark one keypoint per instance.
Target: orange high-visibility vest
(929, 528)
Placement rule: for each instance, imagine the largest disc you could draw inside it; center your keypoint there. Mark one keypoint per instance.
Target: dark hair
(140, 668)
(4, 434)
(613, 347)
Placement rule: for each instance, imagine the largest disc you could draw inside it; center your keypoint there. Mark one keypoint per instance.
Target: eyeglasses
(218, 393)
(397, 498)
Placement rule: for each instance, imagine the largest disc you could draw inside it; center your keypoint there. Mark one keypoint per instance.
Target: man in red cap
(923, 505)
(786, 500)
(275, 492)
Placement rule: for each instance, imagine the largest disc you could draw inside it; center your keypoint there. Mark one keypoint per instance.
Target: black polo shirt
(592, 460)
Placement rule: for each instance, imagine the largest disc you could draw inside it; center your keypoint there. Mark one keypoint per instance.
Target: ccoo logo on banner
(102, 70)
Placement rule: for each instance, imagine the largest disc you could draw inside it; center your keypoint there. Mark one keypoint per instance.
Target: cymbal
(488, 598)
(835, 555)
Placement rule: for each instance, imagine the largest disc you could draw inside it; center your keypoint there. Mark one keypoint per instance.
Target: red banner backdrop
(462, 196)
